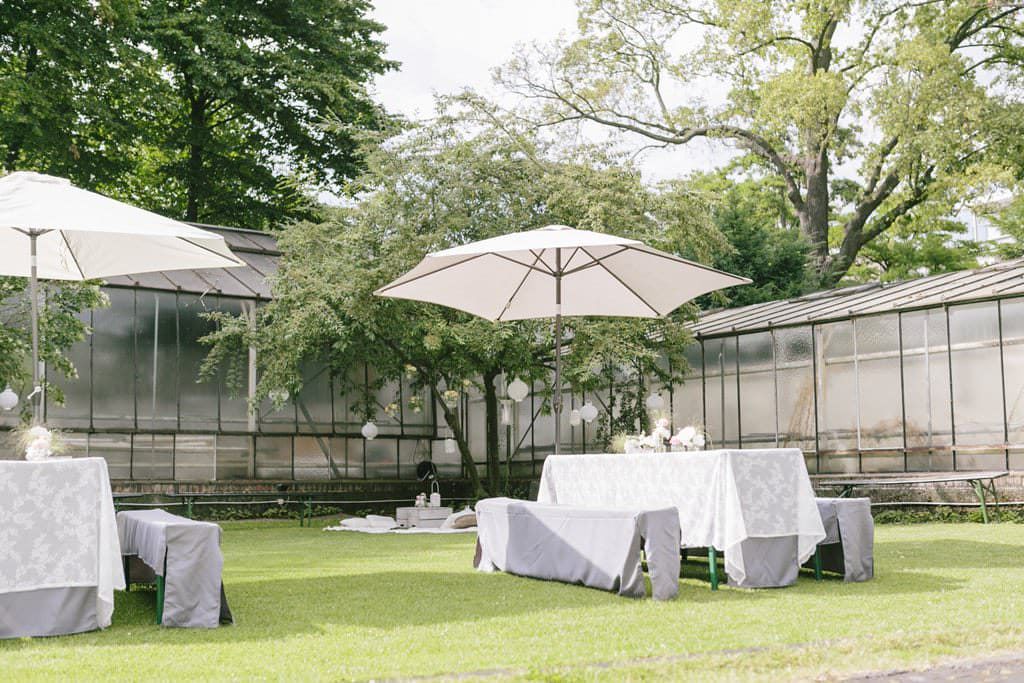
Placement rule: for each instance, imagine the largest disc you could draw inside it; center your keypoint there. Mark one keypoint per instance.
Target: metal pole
(33, 288)
(557, 402)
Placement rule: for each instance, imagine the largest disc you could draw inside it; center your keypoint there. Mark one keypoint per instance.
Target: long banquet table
(757, 506)
(60, 559)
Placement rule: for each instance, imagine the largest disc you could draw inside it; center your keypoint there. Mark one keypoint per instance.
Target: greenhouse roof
(257, 249)
(996, 281)
(260, 252)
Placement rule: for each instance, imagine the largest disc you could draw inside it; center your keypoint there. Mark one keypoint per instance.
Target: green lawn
(312, 605)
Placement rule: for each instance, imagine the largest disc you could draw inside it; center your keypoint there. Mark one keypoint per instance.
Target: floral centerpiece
(661, 439)
(38, 442)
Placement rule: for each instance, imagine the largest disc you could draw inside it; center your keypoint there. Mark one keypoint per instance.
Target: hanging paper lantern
(655, 402)
(517, 390)
(8, 399)
(369, 430)
(588, 412)
(575, 418)
(506, 412)
(450, 446)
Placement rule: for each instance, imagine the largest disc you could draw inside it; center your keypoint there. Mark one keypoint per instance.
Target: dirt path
(1005, 669)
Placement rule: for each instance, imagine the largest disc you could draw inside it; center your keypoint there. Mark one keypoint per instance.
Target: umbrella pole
(33, 289)
(557, 400)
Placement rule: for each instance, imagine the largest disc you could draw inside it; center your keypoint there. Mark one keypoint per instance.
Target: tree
(425, 190)
(239, 111)
(65, 74)
(911, 105)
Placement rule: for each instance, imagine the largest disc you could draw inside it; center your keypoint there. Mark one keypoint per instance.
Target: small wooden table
(977, 480)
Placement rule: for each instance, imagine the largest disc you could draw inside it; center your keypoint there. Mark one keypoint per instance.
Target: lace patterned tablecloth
(724, 497)
(58, 530)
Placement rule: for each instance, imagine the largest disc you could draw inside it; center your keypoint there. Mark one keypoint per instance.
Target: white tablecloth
(57, 531)
(724, 497)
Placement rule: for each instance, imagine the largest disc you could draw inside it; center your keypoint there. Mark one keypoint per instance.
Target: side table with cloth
(595, 547)
(755, 505)
(185, 555)
(59, 556)
(849, 544)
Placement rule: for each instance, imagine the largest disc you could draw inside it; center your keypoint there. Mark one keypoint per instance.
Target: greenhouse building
(925, 375)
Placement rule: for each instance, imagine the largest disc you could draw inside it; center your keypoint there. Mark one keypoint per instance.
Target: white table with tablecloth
(61, 560)
(756, 505)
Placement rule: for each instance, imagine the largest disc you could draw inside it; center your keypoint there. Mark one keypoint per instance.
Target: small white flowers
(40, 444)
(688, 439)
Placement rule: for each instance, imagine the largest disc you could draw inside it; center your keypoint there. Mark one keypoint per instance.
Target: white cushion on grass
(355, 523)
(381, 522)
(460, 520)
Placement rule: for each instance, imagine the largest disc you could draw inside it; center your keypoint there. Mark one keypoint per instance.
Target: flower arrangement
(660, 439)
(416, 404)
(450, 398)
(38, 442)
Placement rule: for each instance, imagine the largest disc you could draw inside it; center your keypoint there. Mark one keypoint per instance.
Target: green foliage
(431, 188)
(913, 249)
(61, 324)
(918, 101)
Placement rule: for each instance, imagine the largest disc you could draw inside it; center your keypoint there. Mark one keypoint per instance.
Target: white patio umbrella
(52, 230)
(558, 271)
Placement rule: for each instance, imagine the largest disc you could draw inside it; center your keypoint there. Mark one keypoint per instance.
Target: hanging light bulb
(8, 399)
(575, 418)
(588, 412)
(369, 430)
(655, 402)
(517, 390)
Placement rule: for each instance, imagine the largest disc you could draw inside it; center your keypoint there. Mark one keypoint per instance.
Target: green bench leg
(713, 567)
(979, 490)
(159, 600)
(817, 564)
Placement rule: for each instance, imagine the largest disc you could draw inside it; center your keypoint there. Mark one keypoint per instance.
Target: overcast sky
(447, 45)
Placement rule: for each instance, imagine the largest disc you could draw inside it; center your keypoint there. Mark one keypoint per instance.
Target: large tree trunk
(815, 214)
(491, 412)
(194, 173)
(451, 418)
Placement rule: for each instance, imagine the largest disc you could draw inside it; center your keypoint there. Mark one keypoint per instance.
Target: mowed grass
(313, 605)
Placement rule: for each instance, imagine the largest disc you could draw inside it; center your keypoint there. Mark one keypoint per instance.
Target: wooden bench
(983, 484)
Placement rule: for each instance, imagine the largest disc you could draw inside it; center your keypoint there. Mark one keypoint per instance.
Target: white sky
(447, 45)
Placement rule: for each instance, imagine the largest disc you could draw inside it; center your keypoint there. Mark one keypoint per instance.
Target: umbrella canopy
(53, 230)
(558, 271)
(82, 235)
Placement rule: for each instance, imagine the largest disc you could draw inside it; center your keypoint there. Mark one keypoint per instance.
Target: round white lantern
(369, 430)
(655, 402)
(575, 418)
(517, 390)
(450, 446)
(8, 399)
(588, 412)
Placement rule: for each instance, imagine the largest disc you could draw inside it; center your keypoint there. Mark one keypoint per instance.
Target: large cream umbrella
(52, 230)
(558, 271)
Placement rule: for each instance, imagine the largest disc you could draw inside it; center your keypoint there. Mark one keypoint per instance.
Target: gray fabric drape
(595, 547)
(849, 545)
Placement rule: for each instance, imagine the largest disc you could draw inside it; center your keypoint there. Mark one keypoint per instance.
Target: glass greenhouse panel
(313, 458)
(156, 348)
(795, 379)
(878, 381)
(448, 464)
(195, 457)
(75, 412)
(234, 457)
(116, 449)
(273, 457)
(198, 400)
(382, 458)
(720, 392)
(688, 395)
(1013, 368)
(926, 380)
(313, 403)
(837, 387)
(113, 361)
(234, 402)
(355, 452)
(757, 390)
(977, 401)
(411, 452)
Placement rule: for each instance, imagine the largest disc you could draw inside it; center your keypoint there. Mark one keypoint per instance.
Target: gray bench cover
(187, 554)
(595, 547)
(849, 545)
